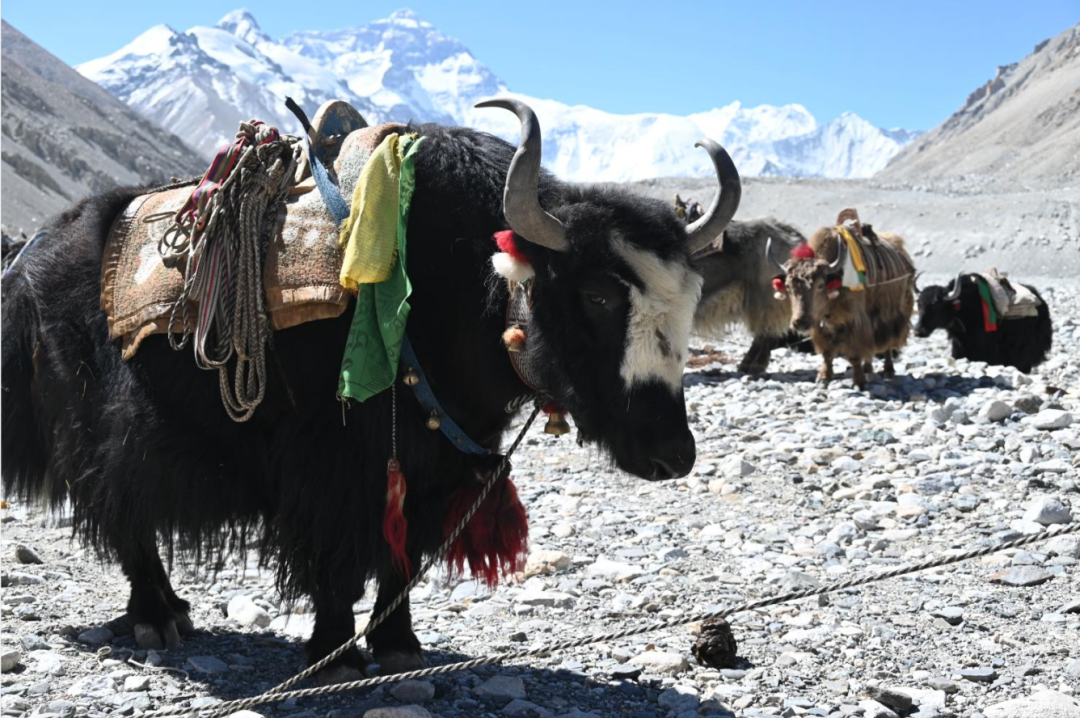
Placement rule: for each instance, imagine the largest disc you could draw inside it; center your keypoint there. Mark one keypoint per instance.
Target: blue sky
(907, 64)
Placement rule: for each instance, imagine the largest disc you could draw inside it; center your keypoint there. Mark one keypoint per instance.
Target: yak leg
(889, 371)
(826, 372)
(392, 642)
(334, 625)
(858, 371)
(158, 614)
(757, 356)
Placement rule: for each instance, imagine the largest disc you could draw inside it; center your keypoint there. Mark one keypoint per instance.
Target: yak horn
(521, 201)
(955, 293)
(715, 220)
(841, 249)
(768, 253)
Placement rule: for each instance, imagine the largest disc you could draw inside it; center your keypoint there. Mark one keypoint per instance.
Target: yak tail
(22, 450)
(1044, 330)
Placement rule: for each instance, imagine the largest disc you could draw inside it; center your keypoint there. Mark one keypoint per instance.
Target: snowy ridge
(201, 83)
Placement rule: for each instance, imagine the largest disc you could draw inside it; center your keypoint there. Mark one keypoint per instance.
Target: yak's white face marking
(661, 317)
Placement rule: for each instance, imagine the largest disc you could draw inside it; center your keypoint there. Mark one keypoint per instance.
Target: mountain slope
(401, 68)
(65, 137)
(1022, 125)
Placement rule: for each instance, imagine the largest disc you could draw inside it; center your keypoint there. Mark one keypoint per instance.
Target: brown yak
(856, 325)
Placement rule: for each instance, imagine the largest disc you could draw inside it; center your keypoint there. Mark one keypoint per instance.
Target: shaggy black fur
(146, 452)
(1023, 343)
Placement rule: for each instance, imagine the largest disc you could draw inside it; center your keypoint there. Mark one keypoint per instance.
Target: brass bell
(557, 424)
(411, 378)
(433, 421)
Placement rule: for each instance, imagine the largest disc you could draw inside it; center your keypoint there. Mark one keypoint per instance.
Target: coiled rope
(219, 239)
(279, 693)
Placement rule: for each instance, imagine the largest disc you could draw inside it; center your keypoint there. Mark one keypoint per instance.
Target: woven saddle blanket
(302, 264)
(871, 260)
(1011, 300)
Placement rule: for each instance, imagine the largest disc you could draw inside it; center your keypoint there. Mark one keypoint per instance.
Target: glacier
(200, 83)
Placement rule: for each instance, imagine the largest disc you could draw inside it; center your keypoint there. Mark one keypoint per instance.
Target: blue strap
(426, 397)
(339, 209)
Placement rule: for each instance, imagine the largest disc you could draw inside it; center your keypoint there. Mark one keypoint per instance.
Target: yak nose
(800, 325)
(674, 457)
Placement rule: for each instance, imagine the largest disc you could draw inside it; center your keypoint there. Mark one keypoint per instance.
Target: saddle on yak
(303, 259)
(870, 260)
(1011, 300)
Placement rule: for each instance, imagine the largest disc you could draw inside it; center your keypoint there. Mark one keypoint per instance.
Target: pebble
(397, 712)
(413, 691)
(207, 664)
(663, 662)
(995, 411)
(94, 686)
(978, 675)
(244, 611)
(1043, 704)
(1022, 576)
(890, 697)
(502, 687)
(679, 698)
(9, 659)
(540, 597)
(27, 555)
(519, 708)
(952, 615)
(135, 684)
(1051, 419)
(1048, 510)
(944, 684)
(542, 562)
(96, 636)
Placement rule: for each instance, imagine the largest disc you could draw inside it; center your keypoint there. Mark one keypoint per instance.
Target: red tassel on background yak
(496, 539)
(803, 251)
(394, 526)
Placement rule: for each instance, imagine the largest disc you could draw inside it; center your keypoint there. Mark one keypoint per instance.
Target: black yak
(145, 451)
(1021, 342)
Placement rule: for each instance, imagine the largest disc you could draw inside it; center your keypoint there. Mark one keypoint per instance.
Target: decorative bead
(411, 378)
(433, 421)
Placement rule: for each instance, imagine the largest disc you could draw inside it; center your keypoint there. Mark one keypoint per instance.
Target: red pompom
(496, 539)
(803, 251)
(553, 408)
(833, 285)
(778, 284)
(506, 242)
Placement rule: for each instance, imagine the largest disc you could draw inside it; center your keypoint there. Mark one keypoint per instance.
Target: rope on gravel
(106, 651)
(280, 694)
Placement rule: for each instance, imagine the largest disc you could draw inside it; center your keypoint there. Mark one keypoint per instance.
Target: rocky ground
(796, 484)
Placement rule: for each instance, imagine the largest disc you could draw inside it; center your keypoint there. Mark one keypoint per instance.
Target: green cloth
(373, 348)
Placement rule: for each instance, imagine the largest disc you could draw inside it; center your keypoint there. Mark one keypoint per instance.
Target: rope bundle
(219, 239)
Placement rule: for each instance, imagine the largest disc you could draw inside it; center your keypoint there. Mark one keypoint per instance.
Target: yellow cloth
(856, 281)
(369, 235)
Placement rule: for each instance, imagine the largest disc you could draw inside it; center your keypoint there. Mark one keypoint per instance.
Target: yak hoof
(148, 637)
(399, 662)
(184, 624)
(332, 675)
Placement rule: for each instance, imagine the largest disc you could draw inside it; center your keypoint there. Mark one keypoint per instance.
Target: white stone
(243, 610)
(1064, 546)
(1048, 510)
(612, 570)
(661, 662)
(136, 684)
(93, 687)
(1052, 466)
(735, 467)
(208, 664)
(546, 561)
(843, 533)
(540, 597)
(1044, 704)
(995, 411)
(846, 464)
(1050, 419)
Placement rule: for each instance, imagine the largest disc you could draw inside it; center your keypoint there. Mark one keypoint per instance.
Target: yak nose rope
(280, 692)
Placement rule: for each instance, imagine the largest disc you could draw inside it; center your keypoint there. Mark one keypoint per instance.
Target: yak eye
(595, 299)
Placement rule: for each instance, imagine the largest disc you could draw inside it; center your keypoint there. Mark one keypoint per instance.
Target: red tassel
(505, 240)
(394, 527)
(496, 539)
(778, 284)
(803, 251)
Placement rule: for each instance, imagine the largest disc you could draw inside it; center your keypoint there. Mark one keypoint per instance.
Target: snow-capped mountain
(199, 84)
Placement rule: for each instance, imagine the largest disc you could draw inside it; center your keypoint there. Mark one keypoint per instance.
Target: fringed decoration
(803, 251)
(496, 539)
(395, 526)
(514, 339)
(510, 263)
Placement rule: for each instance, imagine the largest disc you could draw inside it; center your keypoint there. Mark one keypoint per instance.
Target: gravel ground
(796, 484)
